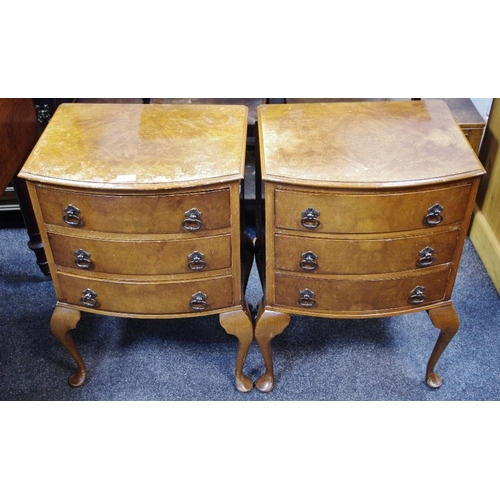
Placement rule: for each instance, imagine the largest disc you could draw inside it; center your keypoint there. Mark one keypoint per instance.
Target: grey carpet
(193, 359)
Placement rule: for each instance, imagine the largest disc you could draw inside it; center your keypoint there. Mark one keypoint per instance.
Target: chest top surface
(364, 144)
(136, 146)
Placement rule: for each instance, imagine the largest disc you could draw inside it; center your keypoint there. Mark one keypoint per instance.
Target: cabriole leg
(446, 319)
(63, 320)
(268, 325)
(239, 324)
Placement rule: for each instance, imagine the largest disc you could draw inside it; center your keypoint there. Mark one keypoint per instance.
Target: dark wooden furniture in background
(19, 131)
(468, 118)
(140, 213)
(367, 206)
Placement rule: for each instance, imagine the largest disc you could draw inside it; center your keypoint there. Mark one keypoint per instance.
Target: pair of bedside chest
(366, 209)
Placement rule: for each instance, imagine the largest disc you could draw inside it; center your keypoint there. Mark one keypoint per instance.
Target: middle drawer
(364, 256)
(142, 257)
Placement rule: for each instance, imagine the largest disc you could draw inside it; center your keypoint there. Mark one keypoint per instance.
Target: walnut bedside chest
(139, 212)
(367, 206)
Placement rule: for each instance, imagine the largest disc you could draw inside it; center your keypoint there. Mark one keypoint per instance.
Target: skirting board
(487, 246)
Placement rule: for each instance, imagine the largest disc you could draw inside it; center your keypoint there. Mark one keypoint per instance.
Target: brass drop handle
(309, 218)
(83, 260)
(307, 298)
(72, 216)
(88, 298)
(196, 262)
(198, 301)
(434, 217)
(192, 221)
(417, 296)
(308, 262)
(427, 257)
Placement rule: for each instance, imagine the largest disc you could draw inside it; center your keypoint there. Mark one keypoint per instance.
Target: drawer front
(133, 257)
(147, 297)
(363, 256)
(371, 212)
(136, 214)
(360, 296)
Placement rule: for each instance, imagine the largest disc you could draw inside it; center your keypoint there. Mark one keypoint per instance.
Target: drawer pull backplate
(434, 217)
(427, 257)
(309, 218)
(83, 260)
(307, 298)
(88, 298)
(72, 216)
(196, 262)
(308, 262)
(417, 296)
(198, 301)
(192, 222)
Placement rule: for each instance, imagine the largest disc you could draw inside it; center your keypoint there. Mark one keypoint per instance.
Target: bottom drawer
(311, 295)
(155, 298)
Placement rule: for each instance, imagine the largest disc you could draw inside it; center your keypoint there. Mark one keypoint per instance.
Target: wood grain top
(364, 144)
(136, 146)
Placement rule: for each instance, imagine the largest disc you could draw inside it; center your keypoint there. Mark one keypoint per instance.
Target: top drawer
(147, 214)
(369, 212)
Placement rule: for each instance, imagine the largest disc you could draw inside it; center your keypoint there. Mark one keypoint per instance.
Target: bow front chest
(367, 206)
(139, 212)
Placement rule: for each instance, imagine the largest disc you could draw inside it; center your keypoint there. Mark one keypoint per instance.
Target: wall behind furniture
(483, 105)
